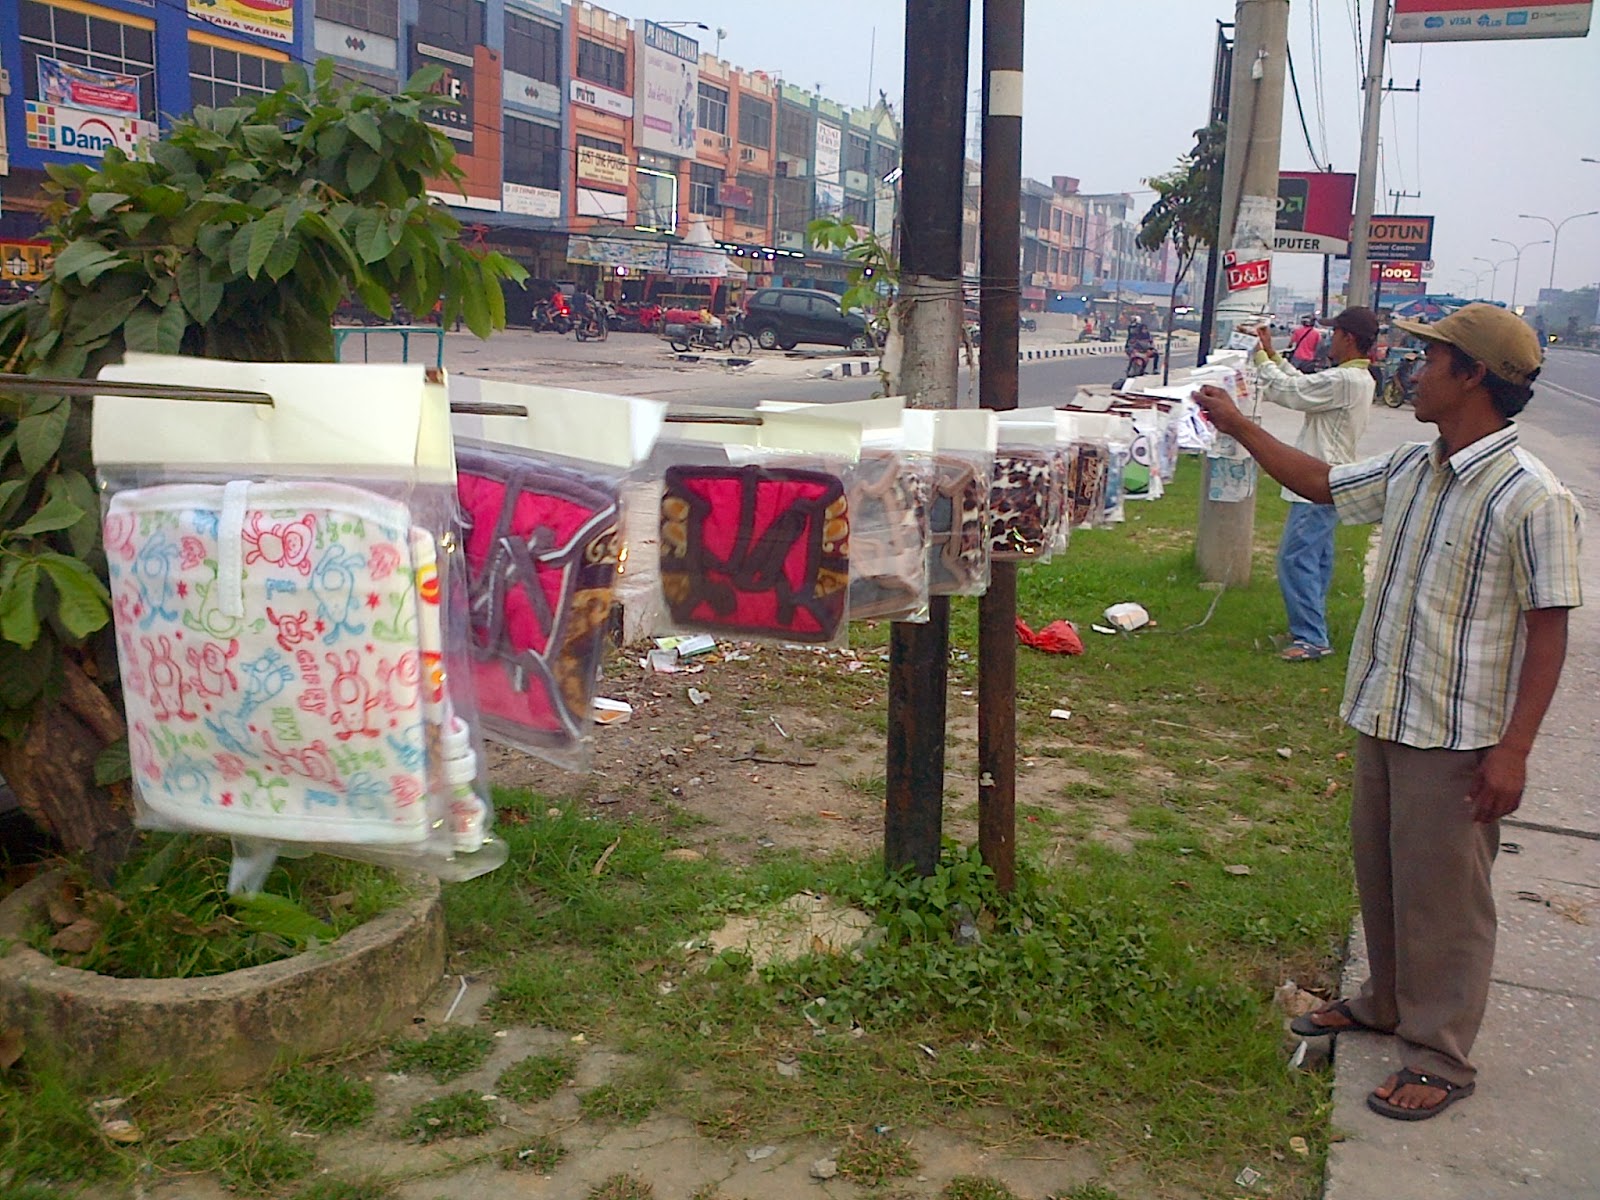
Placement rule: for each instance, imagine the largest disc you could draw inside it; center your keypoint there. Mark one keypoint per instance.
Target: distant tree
(1186, 212)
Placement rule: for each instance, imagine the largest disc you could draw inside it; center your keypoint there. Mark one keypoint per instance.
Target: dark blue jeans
(1305, 569)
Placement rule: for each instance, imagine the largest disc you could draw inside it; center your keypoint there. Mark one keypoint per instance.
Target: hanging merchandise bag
(962, 445)
(280, 588)
(541, 498)
(755, 525)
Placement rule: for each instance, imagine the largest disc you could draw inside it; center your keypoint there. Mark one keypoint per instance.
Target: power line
(1318, 85)
(1300, 108)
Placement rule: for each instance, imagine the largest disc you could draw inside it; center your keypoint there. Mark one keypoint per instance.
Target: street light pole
(1555, 230)
(1516, 273)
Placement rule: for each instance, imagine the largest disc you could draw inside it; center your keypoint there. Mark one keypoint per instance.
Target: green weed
(445, 1054)
(631, 1098)
(322, 1099)
(540, 1155)
(974, 1187)
(622, 1187)
(873, 1159)
(453, 1115)
(252, 1154)
(331, 1188)
(537, 1077)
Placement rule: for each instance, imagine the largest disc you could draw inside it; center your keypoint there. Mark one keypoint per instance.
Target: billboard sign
(86, 89)
(829, 189)
(735, 196)
(454, 120)
(530, 201)
(1242, 276)
(1314, 212)
(272, 19)
(88, 134)
(1393, 239)
(1458, 21)
(602, 166)
(601, 99)
(666, 90)
(1397, 272)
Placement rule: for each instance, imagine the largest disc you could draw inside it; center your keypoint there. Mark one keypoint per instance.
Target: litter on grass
(1127, 617)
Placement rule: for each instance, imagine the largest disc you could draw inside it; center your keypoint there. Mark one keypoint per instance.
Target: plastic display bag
(283, 638)
(541, 499)
(758, 544)
(962, 444)
(888, 496)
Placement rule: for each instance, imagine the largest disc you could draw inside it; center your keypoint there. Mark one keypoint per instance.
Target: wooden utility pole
(929, 307)
(1000, 239)
(1249, 212)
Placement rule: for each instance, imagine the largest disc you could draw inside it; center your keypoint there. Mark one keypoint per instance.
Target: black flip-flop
(1305, 1026)
(1452, 1093)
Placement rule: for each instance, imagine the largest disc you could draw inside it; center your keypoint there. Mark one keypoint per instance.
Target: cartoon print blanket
(268, 635)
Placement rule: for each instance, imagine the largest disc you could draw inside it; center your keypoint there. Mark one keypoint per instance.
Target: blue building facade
(80, 76)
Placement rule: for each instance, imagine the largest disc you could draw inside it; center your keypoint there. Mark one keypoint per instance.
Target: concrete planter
(222, 1030)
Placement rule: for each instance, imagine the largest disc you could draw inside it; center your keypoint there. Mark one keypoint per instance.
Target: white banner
(1452, 21)
(667, 90)
(530, 201)
(604, 99)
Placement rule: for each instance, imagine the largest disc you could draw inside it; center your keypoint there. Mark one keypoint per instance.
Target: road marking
(1566, 391)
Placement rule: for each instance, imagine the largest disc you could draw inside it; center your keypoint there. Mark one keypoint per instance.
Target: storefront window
(99, 43)
(219, 75)
(658, 200)
(533, 48)
(375, 16)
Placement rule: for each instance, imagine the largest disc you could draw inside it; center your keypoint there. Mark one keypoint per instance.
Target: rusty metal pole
(929, 303)
(1000, 240)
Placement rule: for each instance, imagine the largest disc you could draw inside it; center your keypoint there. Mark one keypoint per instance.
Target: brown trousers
(1422, 867)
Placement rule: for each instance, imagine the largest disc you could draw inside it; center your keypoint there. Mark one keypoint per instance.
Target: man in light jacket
(1336, 404)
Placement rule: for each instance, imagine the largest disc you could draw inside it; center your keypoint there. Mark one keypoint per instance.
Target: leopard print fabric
(1020, 505)
(958, 545)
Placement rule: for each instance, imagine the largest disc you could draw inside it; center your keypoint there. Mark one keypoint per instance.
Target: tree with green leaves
(1186, 212)
(238, 239)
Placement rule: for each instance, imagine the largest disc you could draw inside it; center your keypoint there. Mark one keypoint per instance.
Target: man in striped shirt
(1455, 660)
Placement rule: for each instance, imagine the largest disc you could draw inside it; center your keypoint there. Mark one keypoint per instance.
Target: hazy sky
(1115, 88)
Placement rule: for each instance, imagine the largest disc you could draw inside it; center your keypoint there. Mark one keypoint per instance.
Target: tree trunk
(51, 769)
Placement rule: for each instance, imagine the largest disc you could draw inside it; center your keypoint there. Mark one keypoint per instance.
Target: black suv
(782, 317)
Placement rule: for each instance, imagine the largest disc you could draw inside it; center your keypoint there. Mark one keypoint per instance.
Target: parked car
(784, 317)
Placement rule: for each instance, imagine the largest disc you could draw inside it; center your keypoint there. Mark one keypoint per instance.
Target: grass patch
(873, 1159)
(454, 1115)
(445, 1054)
(168, 915)
(975, 1187)
(254, 1155)
(622, 1187)
(322, 1099)
(540, 1156)
(332, 1188)
(535, 1078)
(631, 1098)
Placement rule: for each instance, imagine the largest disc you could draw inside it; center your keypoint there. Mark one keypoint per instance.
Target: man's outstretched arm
(1302, 473)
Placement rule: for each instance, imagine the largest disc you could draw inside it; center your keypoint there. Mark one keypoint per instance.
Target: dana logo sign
(87, 134)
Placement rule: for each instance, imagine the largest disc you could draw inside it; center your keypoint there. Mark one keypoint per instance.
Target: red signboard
(1245, 275)
(1397, 272)
(1314, 212)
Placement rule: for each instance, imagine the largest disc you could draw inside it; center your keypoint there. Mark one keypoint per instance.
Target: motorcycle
(728, 336)
(595, 325)
(1399, 386)
(552, 315)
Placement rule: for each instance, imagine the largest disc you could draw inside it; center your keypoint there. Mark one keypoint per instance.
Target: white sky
(1115, 89)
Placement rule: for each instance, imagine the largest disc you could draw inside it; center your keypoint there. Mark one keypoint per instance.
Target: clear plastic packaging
(758, 543)
(284, 639)
(962, 446)
(1019, 505)
(541, 500)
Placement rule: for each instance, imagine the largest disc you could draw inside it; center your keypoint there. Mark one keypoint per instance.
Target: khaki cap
(1489, 334)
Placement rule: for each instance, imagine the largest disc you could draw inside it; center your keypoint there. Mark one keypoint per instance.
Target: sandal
(1452, 1093)
(1306, 1026)
(1303, 651)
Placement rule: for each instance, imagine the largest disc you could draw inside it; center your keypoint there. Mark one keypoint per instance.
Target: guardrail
(342, 333)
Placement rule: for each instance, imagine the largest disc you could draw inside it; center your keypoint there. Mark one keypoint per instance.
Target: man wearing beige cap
(1455, 660)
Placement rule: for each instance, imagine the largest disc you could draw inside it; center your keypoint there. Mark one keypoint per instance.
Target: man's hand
(1497, 786)
(1264, 336)
(1219, 406)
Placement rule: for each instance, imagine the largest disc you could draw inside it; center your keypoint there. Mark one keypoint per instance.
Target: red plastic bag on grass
(1058, 637)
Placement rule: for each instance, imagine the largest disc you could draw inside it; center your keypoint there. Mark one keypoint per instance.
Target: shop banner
(825, 168)
(88, 134)
(1457, 21)
(453, 120)
(618, 252)
(1314, 212)
(1393, 239)
(602, 166)
(601, 99)
(697, 262)
(667, 90)
(1257, 273)
(25, 262)
(272, 19)
(1397, 272)
(530, 201)
(88, 90)
(735, 196)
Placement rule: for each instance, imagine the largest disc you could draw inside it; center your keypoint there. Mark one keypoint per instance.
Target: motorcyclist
(1141, 344)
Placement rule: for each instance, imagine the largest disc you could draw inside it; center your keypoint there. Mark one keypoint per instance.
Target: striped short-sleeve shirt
(1471, 541)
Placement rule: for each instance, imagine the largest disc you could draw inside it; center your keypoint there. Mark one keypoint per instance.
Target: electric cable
(1300, 108)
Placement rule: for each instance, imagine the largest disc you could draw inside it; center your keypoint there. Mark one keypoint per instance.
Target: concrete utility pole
(929, 305)
(1000, 239)
(1249, 212)
(1359, 289)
